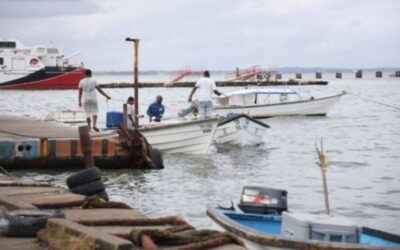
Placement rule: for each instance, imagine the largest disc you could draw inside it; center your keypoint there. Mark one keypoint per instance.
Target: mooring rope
(374, 101)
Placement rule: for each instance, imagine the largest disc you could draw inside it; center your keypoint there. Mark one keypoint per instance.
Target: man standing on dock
(206, 87)
(88, 87)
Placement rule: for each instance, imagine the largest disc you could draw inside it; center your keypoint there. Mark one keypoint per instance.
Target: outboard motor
(263, 200)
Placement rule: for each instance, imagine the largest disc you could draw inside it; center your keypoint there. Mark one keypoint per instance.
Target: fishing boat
(268, 102)
(71, 116)
(186, 136)
(36, 67)
(262, 221)
(241, 130)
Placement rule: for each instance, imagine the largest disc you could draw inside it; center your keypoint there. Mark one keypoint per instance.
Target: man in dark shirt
(156, 110)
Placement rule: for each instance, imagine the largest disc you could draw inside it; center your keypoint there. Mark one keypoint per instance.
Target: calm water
(362, 140)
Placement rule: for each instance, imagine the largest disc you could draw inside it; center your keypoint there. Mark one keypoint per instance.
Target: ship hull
(47, 78)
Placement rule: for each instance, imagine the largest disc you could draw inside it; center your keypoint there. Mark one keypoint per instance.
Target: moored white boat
(181, 135)
(270, 102)
(71, 116)
(240, 130)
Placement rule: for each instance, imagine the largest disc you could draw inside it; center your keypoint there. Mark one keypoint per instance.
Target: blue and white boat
(263, 223)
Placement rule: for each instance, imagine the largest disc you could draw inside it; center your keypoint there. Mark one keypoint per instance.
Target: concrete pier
(101, 227)
(31, 143)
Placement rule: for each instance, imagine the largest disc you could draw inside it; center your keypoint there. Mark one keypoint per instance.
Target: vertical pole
(136, 81)
(125, 116)
(86, 145)
(324, 166)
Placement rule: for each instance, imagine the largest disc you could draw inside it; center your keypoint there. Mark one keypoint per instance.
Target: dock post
(338, 75)
(278, 76)
(298, 76)
(86, 145)
(135, 77)
(359, 73)
(125, 116)
(378, 74)
(397, 74)
(318, 75)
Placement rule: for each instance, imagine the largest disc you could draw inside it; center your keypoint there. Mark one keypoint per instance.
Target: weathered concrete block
(102, 240)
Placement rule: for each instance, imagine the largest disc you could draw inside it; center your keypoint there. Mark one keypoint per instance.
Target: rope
(374, 101)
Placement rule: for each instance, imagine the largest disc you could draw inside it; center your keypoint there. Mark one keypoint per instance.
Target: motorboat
(188, 136)
(175, 134)
(235, 129)
(241, 130)
(37, 67)
(262, 221)
(269, 102)
(71, 116)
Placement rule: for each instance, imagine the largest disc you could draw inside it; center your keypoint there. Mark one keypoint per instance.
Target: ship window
(1, 60)
(8, 45)
(52, 51)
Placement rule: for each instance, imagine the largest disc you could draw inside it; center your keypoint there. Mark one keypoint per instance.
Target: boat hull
(254, 239)
(240, 131)
(316, 106)
(188, 137)
(47, 78)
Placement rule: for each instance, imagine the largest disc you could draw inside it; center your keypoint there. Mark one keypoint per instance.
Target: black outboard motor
(263, 200)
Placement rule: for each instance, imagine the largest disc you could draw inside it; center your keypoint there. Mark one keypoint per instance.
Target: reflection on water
(362, 140)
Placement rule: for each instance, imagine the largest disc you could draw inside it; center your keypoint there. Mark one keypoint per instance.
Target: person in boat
(156, 110)
(87, 89)
(206, 87)
(131, 112)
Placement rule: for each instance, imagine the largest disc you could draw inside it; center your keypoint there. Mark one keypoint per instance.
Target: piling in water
(338, 75)
(378, 74)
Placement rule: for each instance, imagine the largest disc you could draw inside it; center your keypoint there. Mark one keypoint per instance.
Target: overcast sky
(214, 34)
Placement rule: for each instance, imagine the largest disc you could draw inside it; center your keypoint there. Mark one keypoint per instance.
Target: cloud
(24, 9)
(215, 34)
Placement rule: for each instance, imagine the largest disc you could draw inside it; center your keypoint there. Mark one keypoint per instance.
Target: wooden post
(338, 75)
(135, 77)
(125, 116)
(86, 145)
(298, 76)
(318, 75)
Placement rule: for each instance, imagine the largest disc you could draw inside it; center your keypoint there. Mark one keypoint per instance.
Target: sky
(212, 34)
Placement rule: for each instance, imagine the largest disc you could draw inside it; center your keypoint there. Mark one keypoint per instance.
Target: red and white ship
(37, 67)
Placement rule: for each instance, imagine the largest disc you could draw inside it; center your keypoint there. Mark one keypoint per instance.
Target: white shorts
(90, 107)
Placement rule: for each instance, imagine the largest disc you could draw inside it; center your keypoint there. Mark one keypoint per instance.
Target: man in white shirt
(206, 87)
(131, 112)
(87, 89)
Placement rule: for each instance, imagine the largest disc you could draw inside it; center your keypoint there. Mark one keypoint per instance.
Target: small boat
(240, 130)
(268, 102)
(262, 221)
(36, 67)
(181, 135)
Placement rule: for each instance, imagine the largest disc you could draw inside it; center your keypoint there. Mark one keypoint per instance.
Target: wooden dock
(97, 227)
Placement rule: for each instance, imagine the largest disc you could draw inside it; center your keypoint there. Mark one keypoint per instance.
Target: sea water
(361, 138)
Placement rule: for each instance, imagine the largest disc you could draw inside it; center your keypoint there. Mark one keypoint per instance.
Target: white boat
(240, 130)
(268, 102)
(181, 135)
(36, 67)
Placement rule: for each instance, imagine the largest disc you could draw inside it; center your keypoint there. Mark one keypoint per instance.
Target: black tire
(90, 188)
(156, 158)
(83, 176)
(103, 195)
(26, 223)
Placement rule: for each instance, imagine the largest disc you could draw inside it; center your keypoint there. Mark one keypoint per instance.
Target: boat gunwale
(278, 241)
(180, 124)
(247, 117)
